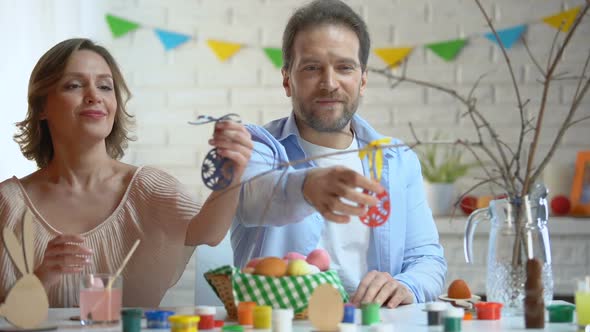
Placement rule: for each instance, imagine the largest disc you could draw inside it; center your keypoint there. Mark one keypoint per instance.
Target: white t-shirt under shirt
(347, 244)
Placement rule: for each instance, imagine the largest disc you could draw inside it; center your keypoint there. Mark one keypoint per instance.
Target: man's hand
(382, 288)
(324, 187)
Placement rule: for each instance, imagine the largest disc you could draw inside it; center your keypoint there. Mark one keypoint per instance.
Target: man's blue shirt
(273, 218)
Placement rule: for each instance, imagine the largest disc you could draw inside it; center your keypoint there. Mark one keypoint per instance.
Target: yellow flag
(223, 50)
(393, 56)
(375, 156)
(563, 20)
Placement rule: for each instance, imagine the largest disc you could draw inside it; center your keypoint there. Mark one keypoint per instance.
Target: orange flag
(393, 56)
(563, 20)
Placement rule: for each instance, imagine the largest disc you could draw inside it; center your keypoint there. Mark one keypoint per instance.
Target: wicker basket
(223, 288)
(225, 282)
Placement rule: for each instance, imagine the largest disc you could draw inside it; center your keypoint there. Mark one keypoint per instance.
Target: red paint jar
(207, 315)
(488, 310)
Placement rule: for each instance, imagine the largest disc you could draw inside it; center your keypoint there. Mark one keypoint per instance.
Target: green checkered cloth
(283, 292)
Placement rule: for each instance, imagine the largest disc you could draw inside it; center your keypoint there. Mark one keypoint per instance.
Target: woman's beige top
(155, 208)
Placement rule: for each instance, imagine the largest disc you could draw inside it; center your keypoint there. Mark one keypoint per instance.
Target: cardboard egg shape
(325, 308)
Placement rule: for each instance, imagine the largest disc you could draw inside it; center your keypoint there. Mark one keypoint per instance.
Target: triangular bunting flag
(393, 56)
(508, 36)
(563, 20)
(120, 26)
(223, 50)
(171, 39)
(447, 50)
(275, 55)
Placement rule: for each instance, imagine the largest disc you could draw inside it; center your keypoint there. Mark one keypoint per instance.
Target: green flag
(449, 49)
(120, 26)
(275, 55)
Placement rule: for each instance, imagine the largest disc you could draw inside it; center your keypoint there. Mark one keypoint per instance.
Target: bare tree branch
(479, 79)
(575, 122)
(471, 189)
(533, 59)
(583, 76)
(470, 148)
(561, 132)
(565, 78)
(414, 133)
(468, 104)
(553, 43)
(538, 127)
(514, 84)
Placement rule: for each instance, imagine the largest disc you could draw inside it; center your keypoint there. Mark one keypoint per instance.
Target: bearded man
(317, 203)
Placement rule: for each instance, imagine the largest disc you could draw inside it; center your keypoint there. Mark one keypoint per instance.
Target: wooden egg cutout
(326, 308)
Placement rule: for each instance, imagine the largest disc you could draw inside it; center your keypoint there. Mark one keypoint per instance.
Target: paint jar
(561, 313)
(583, 302)
(282, 320)
(262, 317)
(453, 319)
(468, 315)
(435, 312)
(158, 319)
(488, 310)
(349, 311)
(233, 328)
(131, 319)
(370, 313)
(184, 323)
(246, 313)
(207, 315)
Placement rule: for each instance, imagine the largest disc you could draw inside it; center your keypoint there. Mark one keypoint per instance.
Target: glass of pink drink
(100, 304)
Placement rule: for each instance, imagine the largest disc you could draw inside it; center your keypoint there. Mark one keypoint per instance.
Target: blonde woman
(88, 207)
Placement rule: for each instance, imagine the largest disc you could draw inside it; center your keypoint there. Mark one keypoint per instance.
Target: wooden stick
(122, 266)
(112, 280)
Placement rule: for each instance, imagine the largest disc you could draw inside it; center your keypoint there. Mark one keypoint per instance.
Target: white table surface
(405, 318)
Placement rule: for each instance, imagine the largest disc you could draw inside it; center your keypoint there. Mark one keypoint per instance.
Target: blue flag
(171, 39)
(508, 36)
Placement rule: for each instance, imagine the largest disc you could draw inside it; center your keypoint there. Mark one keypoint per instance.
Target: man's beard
(321, 125)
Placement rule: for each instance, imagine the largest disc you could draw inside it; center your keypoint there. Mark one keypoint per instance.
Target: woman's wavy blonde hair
(33, 134)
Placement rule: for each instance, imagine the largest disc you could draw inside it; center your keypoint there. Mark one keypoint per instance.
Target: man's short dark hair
(321, 12)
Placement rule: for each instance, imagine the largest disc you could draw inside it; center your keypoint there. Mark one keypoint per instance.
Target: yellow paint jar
(262, 317)
(184, 323)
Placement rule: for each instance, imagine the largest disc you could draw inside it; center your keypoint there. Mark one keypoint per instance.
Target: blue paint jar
(349, 311)
(158, 319)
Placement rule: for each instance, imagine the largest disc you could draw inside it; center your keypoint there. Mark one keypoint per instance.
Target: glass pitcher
(509, 248)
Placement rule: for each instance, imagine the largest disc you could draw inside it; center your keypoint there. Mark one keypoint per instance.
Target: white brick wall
(173, 87)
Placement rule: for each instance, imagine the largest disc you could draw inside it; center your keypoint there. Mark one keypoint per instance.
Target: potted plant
(441, 169)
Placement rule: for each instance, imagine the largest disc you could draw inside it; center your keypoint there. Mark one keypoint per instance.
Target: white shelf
(557, 226)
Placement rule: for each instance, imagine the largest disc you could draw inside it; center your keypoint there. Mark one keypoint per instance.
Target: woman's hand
(64, 255)
(233, 142)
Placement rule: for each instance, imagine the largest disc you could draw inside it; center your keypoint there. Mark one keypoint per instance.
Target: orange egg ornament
(458, 289)
(271, 267)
